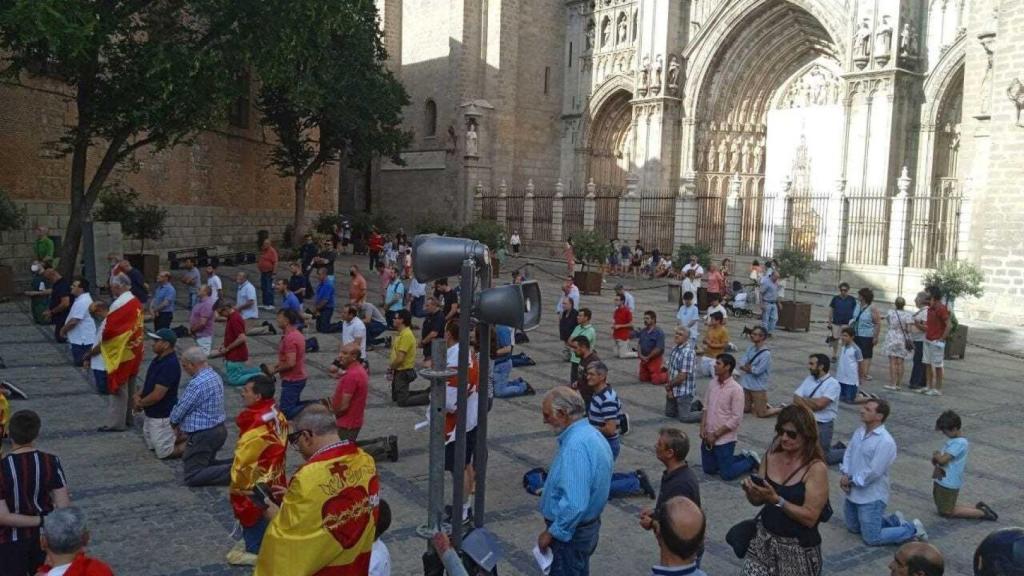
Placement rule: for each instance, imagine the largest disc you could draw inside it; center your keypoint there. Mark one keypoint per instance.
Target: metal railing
(865, 236)
(542, 214)
(934, 225)
(657, 222)
(514, 209)
(572, 212)
(807, 221)
(606, 212)
(489, 206)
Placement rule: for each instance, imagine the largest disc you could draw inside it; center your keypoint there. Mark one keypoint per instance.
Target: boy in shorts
(848, 369)
(948, 472)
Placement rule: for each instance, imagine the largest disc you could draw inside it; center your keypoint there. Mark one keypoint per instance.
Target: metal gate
(865, 234)
(606, 213)
(542, 217)
(514, 209)
(572, 212)
(657, 223)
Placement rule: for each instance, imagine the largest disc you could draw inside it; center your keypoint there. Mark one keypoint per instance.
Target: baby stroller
(741, 305)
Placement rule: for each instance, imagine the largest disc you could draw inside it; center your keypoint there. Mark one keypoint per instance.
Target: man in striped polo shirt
(604, 413)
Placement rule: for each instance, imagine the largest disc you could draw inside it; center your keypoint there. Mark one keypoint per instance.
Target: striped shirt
(27, 482)
(201, 407)
(604, 406)
(683, 359)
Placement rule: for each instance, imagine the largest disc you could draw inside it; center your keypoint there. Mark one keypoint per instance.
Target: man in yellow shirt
(403, 364)
(716, 339)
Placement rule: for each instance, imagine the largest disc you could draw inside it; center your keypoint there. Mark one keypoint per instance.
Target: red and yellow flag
(5, 416)
(328, 518)
(122, 341)
(259, 456)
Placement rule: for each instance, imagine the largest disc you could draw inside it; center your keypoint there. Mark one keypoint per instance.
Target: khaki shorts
(159, 436)
(837, 330)
(934, 353)
(945, 498)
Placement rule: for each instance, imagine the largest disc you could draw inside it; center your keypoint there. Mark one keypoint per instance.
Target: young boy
(948, 472)
(848, 370)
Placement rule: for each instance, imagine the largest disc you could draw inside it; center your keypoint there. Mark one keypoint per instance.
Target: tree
(138, 73)
(798, 265)
(11, 216)
(141, 222)
(329, 97)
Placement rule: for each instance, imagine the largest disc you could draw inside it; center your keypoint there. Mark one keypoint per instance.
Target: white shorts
(159, 436)
(934, 353)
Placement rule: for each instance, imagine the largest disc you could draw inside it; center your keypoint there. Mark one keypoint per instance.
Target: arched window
(430, 118)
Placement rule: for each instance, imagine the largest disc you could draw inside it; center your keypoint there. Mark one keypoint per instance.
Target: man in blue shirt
(770, 301)
(162, 304)
(503, 386)
(394, 300)
(325, 297)
(289, 301)
(159, 394)
(576, 489)
(840, 313)
(651, 341)
(198, 417)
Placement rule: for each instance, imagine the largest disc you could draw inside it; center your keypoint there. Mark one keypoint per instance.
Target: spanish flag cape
(82, 565)
(328, 519)
(259, 456)
(5, 416)
(121, 341)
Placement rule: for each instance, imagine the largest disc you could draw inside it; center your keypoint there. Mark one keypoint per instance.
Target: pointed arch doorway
(609, 151)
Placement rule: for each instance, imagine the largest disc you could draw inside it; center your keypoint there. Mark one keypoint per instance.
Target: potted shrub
(489, 233)
(591, 250)
(682, 257)
(956, 278)
(11, 218)
(798, 266)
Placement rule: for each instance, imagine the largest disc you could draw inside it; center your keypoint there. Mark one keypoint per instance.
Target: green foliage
(147, 223)
(590, 247)
(431, 225)
(326, 223)
(11, 216)
(116, 204)
(487, 232)
(364, 222)
(797, 265)
(703, 252)
(956, 278)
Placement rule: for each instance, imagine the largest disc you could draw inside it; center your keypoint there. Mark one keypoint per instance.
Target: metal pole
(480, 457)
(458, 466)
(438, 375)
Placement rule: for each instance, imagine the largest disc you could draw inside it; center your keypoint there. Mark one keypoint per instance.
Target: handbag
(908, 342)
(741, 535)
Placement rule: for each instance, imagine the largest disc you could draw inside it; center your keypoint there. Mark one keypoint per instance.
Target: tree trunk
(73, 232)
(299, 218)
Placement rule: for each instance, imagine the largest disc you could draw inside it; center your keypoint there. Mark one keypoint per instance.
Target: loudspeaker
(435, 257)
(515, 305)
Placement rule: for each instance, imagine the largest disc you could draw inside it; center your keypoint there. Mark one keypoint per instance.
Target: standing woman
(917, 377)
(727, 274)
(898, 322)
(567, 322)
(867, 322)
(570, 256)
(792, 496)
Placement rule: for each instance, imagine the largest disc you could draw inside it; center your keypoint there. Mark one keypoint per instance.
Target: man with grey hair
(577, 486)
(605, 414)
(198, 419)
(63, 537)
(120, 337)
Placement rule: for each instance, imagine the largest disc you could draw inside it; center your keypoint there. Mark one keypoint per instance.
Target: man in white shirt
(690, 282)
(213, 281)
(689, 317)
(865, 481)
(715, 305)
(819, 393)
(245, 298)
(353, 330)
(515, 241)
(417, 297)
(571, 291)
(698, 270)
(79, 328)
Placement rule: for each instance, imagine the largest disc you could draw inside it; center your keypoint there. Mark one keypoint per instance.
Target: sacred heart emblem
(346, 515)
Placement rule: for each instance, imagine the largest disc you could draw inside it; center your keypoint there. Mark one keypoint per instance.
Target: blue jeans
(267, 287)
(721, 460)
(253, 536)
(503, 387)
(847, 393)
(624, 484)
(100, 377)
(193, 297)
(877, 529)
(373, 331)
(416, 307)
(291, 397)
(770, 316)
(572, 558)
(78, 352)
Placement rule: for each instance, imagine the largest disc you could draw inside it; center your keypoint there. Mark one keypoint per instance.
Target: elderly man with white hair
(577, 486)
(198, 418)
(64, 536)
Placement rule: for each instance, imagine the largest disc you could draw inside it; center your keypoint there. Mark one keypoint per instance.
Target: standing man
(200, 320)
(693, 264)
(337, 477)
(234, 348)
(585, 329)
(936, 330)
(756, 367)
(515, 241)
(769, 292)
(682, 379)
(840, 313)
(159, 395)
(451, 417)
(375, 246)
(267, 264)
(191, 279)
(394, 300)
(326, 259)
(324, 305)
(447, 298)
(162, 305)
(79, 327)
(819, 393)
(433, 325)
(259, 459)
(121, 344)
(307, 252)
(357, 289)
(245, 299)
(720, 424)
(291, 363)
(349, 405)
(60, 302)
(622, 327)
(679, 527)
(652, 349)
(43, 248)
(716, 283)
(402, 364)
(139, 287)
(865, 481)
(213, 281)
(576, 489)
(198, 417)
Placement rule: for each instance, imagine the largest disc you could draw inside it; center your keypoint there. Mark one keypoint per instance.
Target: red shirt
(357, 289)
(935, 325)
(293, 342)
(235, 328)
(354, 382)
(268, 260)
(376, 242)
(716, 282)
(622, 315)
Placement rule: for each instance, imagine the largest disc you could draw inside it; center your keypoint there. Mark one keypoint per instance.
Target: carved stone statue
(883, 38)
(723, 157)
(908, 42)
(657, 74)
(986, 81)
(623, 29)
(759, 157)
(590, 35)
(862, 39)
(734, 157)
(645, 74)
(673, 72)
(472, 141)
(605, 31)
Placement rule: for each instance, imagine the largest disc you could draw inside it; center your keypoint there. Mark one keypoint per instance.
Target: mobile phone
(261, 494)
(757, 480)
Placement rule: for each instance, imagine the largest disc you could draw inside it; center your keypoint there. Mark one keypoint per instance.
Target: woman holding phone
(791, 487)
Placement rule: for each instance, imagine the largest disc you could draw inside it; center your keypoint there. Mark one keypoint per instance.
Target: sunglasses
(791, 434)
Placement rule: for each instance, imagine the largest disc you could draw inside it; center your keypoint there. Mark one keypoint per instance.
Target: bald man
(679, 526)
(916, 559)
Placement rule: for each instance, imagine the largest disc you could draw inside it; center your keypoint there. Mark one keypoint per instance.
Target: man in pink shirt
(267, 264)
(349, 404)
(291, 363)
(723, 413)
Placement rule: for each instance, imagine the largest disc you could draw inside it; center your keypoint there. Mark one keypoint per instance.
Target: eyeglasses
(791, 434)
(293, 438)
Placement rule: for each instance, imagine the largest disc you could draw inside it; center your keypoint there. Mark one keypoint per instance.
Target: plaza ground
(145, 522)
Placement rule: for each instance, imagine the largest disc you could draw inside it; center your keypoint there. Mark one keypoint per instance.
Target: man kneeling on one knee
(198, 419)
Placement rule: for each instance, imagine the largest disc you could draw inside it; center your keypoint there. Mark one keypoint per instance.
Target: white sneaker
(919, 532)
(899, 516)
(933, 392)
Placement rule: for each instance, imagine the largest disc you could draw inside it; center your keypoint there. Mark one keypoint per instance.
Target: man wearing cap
(159, 394)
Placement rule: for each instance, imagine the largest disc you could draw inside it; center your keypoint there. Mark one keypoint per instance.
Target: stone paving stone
(144, 522)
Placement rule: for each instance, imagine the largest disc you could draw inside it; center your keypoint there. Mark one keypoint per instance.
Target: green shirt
(44, 248)
(581, 330)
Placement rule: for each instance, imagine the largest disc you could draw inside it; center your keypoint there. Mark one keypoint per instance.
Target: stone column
(686, 211)
(733, 216)
(528, 212)
(963, 227)
(590, 206)
(780, 218)
(629, 211)
(478, 201)
(556, 212)
(502, 209)
(834, 221)
(896, 253)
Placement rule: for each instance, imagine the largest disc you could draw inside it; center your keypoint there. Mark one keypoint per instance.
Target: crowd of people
(329, 515)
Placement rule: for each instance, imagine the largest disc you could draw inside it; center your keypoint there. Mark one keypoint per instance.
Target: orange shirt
(357, 289)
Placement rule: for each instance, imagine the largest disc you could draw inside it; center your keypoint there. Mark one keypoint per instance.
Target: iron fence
(934, 225)
(514, 209)
(657, 222)
(757, 224)
(865, 236)
(807, 221)
(542, 214)
(606, 212)
(711, 222)
(489, 207)
(572, 212)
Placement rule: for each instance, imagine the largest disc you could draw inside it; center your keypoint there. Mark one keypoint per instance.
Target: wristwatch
(781, 503)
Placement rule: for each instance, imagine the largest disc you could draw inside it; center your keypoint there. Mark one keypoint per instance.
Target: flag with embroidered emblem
(121, 341)
(259, 457)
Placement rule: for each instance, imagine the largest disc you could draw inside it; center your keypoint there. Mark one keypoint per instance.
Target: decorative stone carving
(606, 26)
(656, 86)
(623, 28)
(883, 41)
(1015, 92)
(673, 74)
(908, 42)
(817, 87)
(590, 35)
(987, 40)
(723, 156)
(453, 140)
(472, 141)
(862, 43)
(645, 76)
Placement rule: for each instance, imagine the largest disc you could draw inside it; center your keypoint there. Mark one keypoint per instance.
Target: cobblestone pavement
(144, 522)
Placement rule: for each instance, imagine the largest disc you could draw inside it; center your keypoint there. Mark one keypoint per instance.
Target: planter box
(588, 282)
(956, 344)
(794, 316)
(148, 264)
(6, 281)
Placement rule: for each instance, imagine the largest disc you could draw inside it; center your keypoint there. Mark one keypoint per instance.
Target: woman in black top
(792, 490)
(567, 323)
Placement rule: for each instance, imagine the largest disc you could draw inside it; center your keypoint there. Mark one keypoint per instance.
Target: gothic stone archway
(608, 162)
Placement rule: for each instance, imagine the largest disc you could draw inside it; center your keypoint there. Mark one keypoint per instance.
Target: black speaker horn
(435, 257)
(515, 305)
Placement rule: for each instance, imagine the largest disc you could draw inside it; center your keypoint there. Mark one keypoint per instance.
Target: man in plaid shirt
(681, 386)
(198, 417)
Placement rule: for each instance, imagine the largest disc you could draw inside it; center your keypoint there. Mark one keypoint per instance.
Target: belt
(583, 524)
